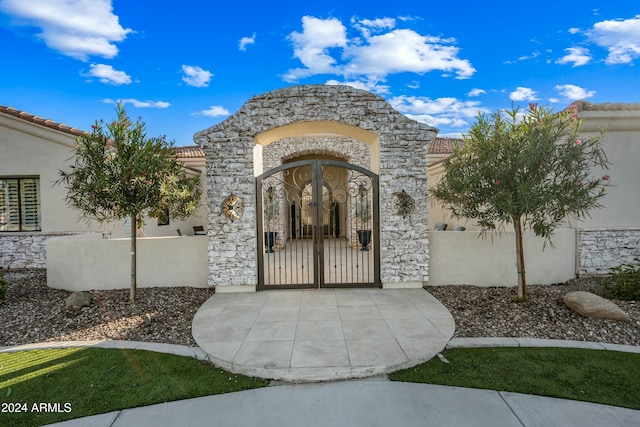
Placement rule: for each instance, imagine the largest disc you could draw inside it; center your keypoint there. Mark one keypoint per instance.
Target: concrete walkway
(370, 403)
(322, 335)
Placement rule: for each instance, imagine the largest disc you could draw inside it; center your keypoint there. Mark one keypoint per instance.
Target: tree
(119, 173)
(532, 170)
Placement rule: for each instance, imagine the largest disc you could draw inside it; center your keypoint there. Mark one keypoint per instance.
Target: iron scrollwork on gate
(317, 226)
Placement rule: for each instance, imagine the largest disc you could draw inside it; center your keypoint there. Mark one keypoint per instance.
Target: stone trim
(601, 249)
(401, 144)
(26, 250)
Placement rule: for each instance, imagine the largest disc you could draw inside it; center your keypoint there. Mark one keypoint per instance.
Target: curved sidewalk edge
(537, 342)
(178, 350)
(198, 353)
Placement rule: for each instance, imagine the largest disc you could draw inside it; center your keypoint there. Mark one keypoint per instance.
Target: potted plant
(363, 213)
(270, 212)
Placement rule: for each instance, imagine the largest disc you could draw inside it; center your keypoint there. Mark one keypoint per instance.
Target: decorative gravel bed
(492, 312)
(33, 313)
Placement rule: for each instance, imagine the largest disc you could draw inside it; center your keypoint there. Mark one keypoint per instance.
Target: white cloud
(312, 46)
(246, 41)
(621, 37)
(323, 47)
(215, 111)
(523, 94)
(476, 92)
(76, 28)
(107, 74)
(576, 55)
(405, 50)
(196, 76)
(367, 26)
(435, 112)
(573, 92)
(574, 30)
(532, 56)
(138, 104)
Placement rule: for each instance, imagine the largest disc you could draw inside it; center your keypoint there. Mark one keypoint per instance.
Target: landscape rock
(592, 305)
(77, 300)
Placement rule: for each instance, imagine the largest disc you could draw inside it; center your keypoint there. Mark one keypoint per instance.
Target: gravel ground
(34, 313)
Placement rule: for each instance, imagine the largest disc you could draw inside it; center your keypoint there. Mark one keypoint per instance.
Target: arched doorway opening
(318, 226)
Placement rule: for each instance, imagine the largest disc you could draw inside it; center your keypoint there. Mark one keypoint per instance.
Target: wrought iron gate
(317, 226)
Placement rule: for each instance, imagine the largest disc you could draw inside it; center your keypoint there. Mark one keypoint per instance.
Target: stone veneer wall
(347, 149)
(600, 249)
(229, 146)
(25, 250)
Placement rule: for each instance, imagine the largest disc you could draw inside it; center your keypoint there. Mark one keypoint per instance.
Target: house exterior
(611, 235)
(276, 140)
(33, 208)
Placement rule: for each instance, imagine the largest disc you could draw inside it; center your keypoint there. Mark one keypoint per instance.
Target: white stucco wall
(78, 263)
(621, 143)
(463, 258)
(30, 149)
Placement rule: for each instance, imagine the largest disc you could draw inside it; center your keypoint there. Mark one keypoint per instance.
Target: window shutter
(9, 205)
(30, 206)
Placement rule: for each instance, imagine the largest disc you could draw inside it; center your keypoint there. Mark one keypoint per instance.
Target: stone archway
(234, 150)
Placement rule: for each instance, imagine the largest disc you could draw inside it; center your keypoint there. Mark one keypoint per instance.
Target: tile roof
(607, 106)
(443, 145)
(41, 121)
(190, 152)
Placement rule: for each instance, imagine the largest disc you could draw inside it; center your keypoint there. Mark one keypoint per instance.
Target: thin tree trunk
(134, 222)
(522, 277)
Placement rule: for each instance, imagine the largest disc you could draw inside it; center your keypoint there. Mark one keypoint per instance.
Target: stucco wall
(25, 250)
(463, 258)
(91, 262)
(621, 144)
(29, 149)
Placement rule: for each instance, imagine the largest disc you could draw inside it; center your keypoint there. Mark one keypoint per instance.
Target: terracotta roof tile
(41, 121)
(443, 145)
(607, 106)
(193, 152)
(190, 152)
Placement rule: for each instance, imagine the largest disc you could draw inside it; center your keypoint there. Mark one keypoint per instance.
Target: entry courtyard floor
(321, 335)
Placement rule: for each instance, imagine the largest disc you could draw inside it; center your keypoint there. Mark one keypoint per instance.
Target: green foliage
(271, 208)
(533, 167)
(624, 284)
(99, 380)
(363, 209)
(531, 170)
(119, 172)
(607, 377)
(3, 287)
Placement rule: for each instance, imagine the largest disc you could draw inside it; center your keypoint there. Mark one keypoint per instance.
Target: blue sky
(185, 66)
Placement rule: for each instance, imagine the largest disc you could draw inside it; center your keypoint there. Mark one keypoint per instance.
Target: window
(19, 204)
(164, 218)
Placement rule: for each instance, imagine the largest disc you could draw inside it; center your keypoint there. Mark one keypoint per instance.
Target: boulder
(77, 300)
(591, 305)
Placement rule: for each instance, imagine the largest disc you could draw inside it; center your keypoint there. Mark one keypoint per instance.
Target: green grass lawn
(90, 381)
(608, 377)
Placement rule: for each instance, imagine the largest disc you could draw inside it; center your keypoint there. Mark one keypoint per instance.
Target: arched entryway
(396, 154)
(318, 226)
